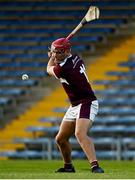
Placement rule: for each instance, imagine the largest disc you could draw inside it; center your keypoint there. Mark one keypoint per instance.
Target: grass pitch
(44, 169)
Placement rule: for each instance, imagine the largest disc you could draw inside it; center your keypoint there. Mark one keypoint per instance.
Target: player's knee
(59, 140)
(79, 135)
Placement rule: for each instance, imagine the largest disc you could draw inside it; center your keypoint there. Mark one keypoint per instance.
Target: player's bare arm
(50, 64)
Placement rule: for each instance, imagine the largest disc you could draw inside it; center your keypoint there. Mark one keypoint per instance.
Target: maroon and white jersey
(72, 75)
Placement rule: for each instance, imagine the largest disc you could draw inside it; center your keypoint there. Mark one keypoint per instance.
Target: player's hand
(51, 56)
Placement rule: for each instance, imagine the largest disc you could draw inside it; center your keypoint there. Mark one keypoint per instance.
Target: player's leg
(66, 131)
(83, 124)
(82, 127)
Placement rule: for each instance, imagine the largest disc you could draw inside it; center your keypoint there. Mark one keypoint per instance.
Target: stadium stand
(26, 31)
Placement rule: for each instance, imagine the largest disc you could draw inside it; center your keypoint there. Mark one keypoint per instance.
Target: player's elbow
(49, 70)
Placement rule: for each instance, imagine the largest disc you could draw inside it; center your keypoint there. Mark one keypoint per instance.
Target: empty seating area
(116, 114)
(27, 29)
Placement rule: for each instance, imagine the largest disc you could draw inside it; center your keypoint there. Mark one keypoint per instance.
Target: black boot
(97, 170)
(64, 170)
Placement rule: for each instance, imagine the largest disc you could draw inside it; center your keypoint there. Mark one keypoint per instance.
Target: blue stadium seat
(4, 56)
(72, 3)
(118, 101)
(17, 73)
(128, 155)
(26, 154)
(128, 140)
(50, 119)
(60, 109)
(115, 119)
(75, 155)
(49, 131)
(130, 74)
(94, 38)
(5, 101)
(97, 141)
(13, 47)
(106, 154)
(110, 21)
(3, 73)
(117, 83)
(108, 130)
(23, 64)
(13, 82)
(130, 64)
(128, 144)
(12, 92)
(31, 140)
(85, 30)
(120, 12)
(130, 129)
(117, 111)
(116, 92)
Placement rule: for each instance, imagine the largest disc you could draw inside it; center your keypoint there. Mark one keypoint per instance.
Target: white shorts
(86, 110)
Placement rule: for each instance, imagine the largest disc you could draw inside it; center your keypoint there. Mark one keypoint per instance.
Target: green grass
(36, 169)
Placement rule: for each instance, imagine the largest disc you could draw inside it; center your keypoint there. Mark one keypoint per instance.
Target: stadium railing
(128, 148)
(46, 144)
